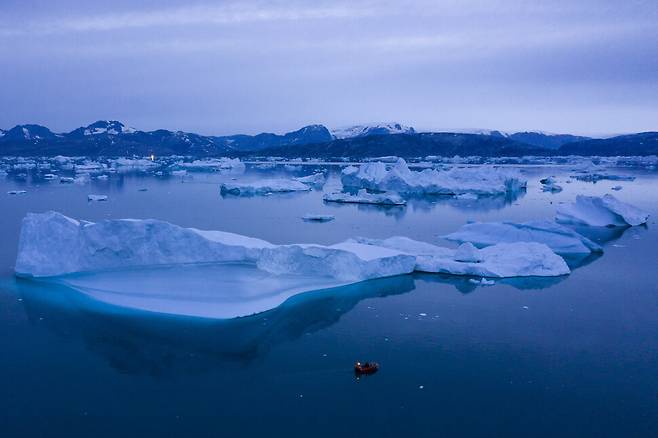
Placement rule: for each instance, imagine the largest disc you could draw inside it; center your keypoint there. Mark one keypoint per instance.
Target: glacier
(560, 239)
(605, 211)
(399, 178)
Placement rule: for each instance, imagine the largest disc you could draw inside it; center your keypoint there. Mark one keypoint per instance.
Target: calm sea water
(572, 356)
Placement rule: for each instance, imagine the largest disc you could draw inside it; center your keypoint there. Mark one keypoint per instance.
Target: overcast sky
(226, 67)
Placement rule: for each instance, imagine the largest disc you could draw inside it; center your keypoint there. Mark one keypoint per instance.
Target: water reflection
(135, 342)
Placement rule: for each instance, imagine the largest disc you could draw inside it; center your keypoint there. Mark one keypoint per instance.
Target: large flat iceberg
(363, 197)
(263, 187)
(603, 211)
(519, 259)
(399, 178)
(560, 239)
(152, 265)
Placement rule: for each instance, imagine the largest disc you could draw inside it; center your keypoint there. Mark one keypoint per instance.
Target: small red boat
(366, 368)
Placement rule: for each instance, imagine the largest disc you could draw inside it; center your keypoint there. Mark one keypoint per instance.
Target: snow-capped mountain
(103, 127)
(373, 129)
(28, 132)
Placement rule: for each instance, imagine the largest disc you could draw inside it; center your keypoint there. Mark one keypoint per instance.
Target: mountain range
(113, 138)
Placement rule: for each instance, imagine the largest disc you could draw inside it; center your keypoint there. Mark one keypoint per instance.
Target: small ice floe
(263, 187)
(17, 192)
(601, 212)
(102, 177)
(66, 180)
(96, 198)
(181, 172)
(595, 177)
(215, 164)
(550, 185)
(316, 179)
(559, 238)
(292, 168)
(363, 197)
(49, 176)
(616, 188)
(318, 217)
(399, 178)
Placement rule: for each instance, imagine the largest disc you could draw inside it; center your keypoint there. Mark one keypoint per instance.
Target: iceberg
(560, 239)
(550, 185)
(518, 259)
(602, 211)
(315, 179)
(52, 244)
(263, 187)
(215, 164)
(363, 197)
(399, 178)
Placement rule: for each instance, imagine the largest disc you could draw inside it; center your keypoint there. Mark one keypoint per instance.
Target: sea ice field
(512, 295)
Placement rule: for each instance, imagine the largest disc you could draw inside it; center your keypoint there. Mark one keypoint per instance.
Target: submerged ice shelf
(137, 263)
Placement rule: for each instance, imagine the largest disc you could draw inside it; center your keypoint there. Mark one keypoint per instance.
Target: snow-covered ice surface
(519, 259)
(263, 187)
(560, 239)
(363, 197)
(601, 212)
(399, 178)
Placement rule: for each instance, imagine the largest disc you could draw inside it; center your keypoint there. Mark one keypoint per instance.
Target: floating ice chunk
(49, 176)
(550, 185)
(468, 253)
(214, 164)
(264, 186)
(318, 217)
(316, 179)
(601, 212)
(399, 178)
(135, 163)
(97, 197)
(102, 177)
(467, 196)
(560, 239)
(519, 259)
(182, 172)
(17, 192)
(363, 197)
(594, 177)
(66, 180)
(617, 188)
